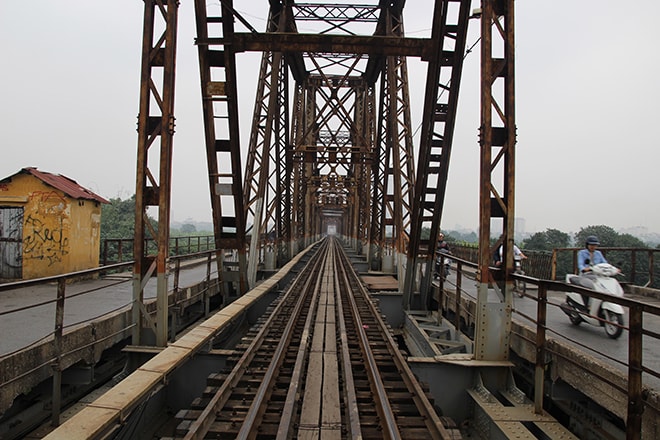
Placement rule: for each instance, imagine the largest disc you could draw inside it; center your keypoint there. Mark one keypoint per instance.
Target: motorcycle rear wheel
(613, 324)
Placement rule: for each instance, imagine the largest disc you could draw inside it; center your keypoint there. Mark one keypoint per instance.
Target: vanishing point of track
(321, 363)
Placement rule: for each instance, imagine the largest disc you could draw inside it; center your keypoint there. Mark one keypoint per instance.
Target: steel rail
(257, 406)
(432, 420)
(352, 410)
(390, 427)
(201, 425)
(278, 388)
(284, 428)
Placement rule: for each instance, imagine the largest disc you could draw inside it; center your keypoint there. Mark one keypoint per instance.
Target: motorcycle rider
(517, 254)
(588, 257)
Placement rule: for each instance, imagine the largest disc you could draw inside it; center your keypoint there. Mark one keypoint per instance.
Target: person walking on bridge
(441, 248)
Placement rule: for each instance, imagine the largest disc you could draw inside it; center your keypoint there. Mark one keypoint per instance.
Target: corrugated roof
(69, 186)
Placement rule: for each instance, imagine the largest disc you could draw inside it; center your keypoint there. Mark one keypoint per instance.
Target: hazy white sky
(586, 104)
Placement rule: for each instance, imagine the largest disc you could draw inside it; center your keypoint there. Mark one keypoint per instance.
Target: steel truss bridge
(331, 145)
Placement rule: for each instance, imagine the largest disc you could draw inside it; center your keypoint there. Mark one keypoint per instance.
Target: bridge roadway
(105, 295)
(115, 292)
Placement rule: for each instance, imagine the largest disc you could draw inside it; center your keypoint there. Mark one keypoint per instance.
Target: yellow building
(49, 225)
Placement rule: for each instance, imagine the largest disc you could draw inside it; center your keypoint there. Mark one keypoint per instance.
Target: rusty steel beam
(497, 174)
(263, 187)
(394, 173)
(362, 158)
(380, 171)
(335, 13)
(296, 42)
(220, 110)
(400, 197)
(297, 170)
(440, 105)
(153, 186)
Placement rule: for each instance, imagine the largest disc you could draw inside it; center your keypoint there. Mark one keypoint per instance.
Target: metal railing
(640, 332)
(64, 284)
(119, 250)
(639, 265)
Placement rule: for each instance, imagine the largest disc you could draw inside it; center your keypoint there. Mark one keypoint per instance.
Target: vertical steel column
(154, 189)
(281, 212)
(497, 141)
(399, 189)
(309, 136)
(57, 352)
(635, 368)
(379, 172)
(297, 165)
(361, 159)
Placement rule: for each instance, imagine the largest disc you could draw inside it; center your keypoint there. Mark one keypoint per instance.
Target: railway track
(322, 363)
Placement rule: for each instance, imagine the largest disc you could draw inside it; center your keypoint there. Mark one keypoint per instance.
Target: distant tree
(608, 237)
(188, 229)
(426, 233)
(450, 236)
(547, 241)
(460, 237)
(627, 240)
(118, 219)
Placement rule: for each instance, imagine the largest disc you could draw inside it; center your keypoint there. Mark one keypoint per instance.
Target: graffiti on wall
(45, 236)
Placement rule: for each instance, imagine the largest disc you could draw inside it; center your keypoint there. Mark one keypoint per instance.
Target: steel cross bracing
(329, 148)
(364, 123)
(394, 179)
(267, 192)
(295, 188)
(337, 170)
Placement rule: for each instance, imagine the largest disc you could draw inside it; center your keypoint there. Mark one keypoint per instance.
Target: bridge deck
(112, 408)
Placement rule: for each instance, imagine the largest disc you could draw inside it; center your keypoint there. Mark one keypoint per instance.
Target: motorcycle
(598, 313)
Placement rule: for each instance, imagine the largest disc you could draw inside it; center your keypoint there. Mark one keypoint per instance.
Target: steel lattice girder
(332, 70)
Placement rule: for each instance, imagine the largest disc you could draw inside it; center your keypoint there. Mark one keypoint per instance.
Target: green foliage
(188, 229)
(607, 236)
(547, 241)
(118, 219)
(460, 237)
